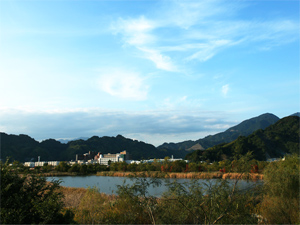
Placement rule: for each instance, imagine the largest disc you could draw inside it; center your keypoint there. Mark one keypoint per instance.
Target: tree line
(245, 163)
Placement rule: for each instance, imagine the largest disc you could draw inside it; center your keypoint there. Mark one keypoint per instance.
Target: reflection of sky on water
(108, 185)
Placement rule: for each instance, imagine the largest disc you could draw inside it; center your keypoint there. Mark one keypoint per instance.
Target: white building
(105, 159)
(29, 164)
(53, 163)
(35, 164)
(39, 164)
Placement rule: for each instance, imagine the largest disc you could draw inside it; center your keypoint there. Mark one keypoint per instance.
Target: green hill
(245, 128)
(23, 148)
(275, 141)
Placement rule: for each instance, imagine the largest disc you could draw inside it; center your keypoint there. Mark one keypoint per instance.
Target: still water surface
(108, 185)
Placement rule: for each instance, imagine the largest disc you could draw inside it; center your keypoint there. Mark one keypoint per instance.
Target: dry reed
(72, 196)
(188, 175)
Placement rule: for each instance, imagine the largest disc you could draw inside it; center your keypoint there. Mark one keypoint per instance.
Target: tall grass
(72, 196)
(92, 207)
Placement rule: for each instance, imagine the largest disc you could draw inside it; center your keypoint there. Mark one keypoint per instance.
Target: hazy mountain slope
(296, 114)
(275, 141)
(245, 128)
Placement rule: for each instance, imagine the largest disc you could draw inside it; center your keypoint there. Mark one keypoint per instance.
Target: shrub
(30, 199)
(280, 204)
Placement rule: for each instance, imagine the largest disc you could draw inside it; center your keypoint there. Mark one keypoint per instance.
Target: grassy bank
(189, 175)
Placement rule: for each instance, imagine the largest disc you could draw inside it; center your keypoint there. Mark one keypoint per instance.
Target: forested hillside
(245, 128)
(275, 141)
(23, 148)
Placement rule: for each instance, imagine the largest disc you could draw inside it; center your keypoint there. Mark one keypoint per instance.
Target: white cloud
(161, 61)
(225, 89)
(199, 30)
(123, 84)
(187, 14)
(209, 50)
(135, 32)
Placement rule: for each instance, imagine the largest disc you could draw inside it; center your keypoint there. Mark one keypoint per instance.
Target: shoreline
(158, 174)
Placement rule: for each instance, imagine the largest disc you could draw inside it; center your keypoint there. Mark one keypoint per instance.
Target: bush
(30, 200)
(280, 204)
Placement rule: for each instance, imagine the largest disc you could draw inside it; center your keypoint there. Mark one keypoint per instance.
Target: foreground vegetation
(30, 199)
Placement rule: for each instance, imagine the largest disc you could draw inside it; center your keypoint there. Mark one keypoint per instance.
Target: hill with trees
(24, 148)
(275, 141)
(245, 128)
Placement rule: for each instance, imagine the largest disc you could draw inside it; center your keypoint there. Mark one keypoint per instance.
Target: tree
(74, 168)
(62, 167)
(178, 166)
(29, 199)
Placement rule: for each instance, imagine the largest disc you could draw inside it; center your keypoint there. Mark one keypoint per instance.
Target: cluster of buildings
(93, 157)
(39, 163)
(104, 159)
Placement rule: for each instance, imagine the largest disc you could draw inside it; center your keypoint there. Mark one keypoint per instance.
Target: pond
(109, 185)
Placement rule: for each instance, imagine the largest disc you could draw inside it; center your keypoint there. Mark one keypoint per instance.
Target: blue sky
(155, 71)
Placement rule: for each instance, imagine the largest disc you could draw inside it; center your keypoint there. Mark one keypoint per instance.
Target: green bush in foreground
(30, 200)
(281, 192)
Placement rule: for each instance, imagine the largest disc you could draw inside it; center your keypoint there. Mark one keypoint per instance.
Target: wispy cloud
(225, 89)
(123, 84)
(199, 30)
(161, 61)
(136, 32)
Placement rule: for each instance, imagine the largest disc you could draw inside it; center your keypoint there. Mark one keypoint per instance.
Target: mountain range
(24, 148)
(275, 141)
(245, 128)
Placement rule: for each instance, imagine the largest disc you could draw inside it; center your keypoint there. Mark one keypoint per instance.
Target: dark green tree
(30, 199)
(63, 167)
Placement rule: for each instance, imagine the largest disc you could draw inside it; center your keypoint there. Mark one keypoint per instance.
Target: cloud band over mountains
(83, 123)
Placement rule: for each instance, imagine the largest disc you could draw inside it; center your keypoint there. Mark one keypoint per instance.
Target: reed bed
(189, 175)
(72, 196)
(250, 176)
(56, 174)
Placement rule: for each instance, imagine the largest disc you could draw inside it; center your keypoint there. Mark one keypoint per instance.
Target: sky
(152, 70)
